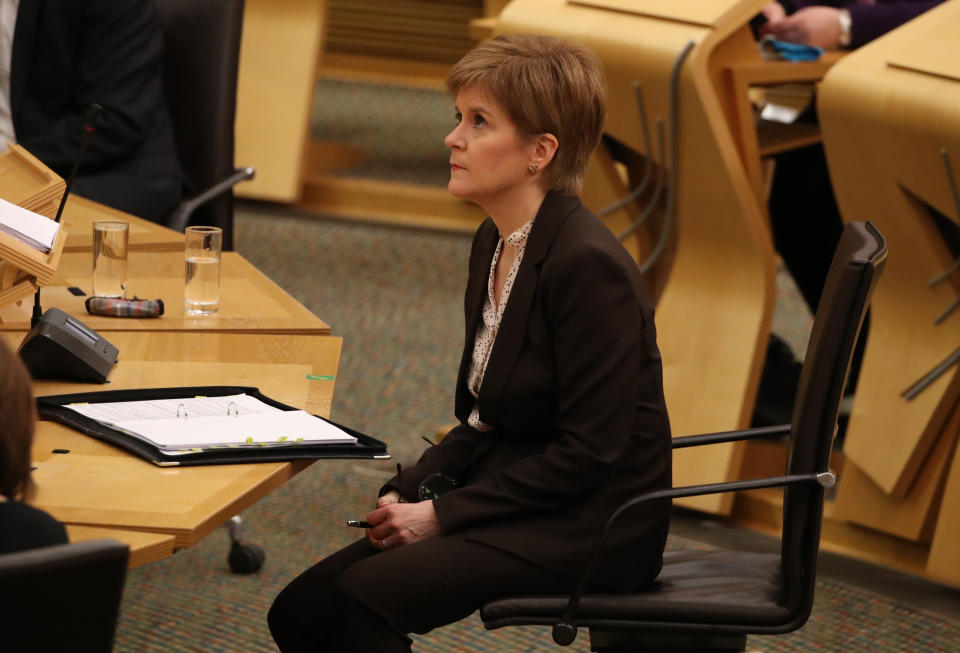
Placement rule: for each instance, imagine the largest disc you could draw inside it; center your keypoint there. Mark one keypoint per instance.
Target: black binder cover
(53, 407)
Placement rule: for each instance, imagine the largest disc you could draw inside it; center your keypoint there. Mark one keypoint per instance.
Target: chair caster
(564, 634)
(245, 558)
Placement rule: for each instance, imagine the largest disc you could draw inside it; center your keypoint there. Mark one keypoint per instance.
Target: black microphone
(89, 129)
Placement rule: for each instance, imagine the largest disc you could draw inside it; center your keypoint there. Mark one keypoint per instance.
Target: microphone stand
(89, 129)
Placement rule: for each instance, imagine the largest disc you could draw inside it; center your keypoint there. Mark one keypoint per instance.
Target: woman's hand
(819, 26)
(773, 12)
(396, 524)
(390, 497)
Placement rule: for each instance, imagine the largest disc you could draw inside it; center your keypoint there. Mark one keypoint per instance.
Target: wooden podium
(890, 116)
(26, 182)
(715, 278)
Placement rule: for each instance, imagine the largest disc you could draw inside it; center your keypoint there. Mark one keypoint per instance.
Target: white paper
(779, 113)
(205, 422)
(116, 412)
(285, 427)
(32, 228)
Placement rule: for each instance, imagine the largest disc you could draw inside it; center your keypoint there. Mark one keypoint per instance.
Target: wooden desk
(276, 86)
(144, 547)
(250, 301)
(80, 213)
(886, 111)
(99, 485)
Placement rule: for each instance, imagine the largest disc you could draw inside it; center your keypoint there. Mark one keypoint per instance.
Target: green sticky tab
(320, 377)
(249, 440)
(283, 438)
(200, 397)
(299, 440)
(80, 403)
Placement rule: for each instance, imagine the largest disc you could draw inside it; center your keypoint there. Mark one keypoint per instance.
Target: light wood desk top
(97, 484)
(250, 302)
(80, 213)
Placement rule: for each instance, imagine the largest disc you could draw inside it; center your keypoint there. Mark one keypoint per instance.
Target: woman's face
(488, 155)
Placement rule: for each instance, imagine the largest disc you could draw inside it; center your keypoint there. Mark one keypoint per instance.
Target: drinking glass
(110, 238)
(201, 290)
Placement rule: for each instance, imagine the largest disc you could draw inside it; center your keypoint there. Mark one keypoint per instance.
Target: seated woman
(559, 394)
(21, 526)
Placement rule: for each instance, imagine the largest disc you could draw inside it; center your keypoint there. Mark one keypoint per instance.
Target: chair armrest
(731, 436)
(565, 630)
(182, 215)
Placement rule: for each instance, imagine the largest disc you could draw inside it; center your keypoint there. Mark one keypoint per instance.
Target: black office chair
(201, 57)
(710, 600)
(62, 598)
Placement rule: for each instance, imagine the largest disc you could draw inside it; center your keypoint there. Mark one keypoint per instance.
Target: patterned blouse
(487, 329)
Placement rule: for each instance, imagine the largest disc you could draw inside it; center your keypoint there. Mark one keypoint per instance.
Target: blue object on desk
(791, 51)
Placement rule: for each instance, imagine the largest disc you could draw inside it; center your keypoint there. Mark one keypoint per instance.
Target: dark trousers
(807, 226)
(364, 600)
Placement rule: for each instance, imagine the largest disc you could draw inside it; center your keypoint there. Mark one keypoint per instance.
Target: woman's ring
(383, 543)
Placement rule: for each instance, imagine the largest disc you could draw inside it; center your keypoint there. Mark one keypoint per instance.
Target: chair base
(609, 641)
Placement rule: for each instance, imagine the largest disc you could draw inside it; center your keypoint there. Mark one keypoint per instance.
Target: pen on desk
(358, 524)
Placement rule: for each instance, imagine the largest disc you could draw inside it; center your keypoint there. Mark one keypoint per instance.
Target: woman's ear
(545, 149)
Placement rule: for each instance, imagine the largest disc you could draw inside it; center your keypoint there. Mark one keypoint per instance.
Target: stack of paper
(28, 227)
(212, 422)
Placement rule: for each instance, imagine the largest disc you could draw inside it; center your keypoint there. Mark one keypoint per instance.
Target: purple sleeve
(871, 21)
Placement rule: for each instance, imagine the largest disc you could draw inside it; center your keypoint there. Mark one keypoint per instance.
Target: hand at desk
(819, 26)
(396, 524)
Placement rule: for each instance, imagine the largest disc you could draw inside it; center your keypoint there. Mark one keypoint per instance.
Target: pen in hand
(357, 523)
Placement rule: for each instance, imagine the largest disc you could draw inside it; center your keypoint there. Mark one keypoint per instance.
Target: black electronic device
(62, 347)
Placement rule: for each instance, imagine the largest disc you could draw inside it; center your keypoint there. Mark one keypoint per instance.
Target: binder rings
(55, 408)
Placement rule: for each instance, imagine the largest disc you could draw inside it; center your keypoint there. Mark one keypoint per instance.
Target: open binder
(56, 408)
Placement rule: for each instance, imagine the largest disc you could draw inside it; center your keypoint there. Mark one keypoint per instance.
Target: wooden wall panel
(426, 30)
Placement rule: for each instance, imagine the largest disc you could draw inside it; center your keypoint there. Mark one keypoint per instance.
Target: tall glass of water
(110, 258)
(201, 291)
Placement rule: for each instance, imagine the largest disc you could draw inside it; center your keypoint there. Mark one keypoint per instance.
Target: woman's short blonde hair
(547, 86)
(17, 418)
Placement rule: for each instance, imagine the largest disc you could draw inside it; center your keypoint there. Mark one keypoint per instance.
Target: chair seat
(711, 588)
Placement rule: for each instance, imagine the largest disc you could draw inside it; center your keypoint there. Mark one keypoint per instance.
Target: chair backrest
(201, 57)
(62, 598)
(856, 265)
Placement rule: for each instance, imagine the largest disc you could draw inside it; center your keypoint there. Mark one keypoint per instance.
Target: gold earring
(532, 167)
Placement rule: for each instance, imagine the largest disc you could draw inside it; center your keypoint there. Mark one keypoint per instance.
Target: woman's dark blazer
(574, 391)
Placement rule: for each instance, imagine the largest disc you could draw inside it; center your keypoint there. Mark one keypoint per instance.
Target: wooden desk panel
(884, 127)
(277, 364)
(275, 90)
(97, 484)
(80, 213)
(144, 547)
(250, 301)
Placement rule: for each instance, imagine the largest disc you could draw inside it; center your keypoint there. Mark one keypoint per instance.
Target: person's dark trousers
(807, 226)
(363, 600)
(805, 218)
